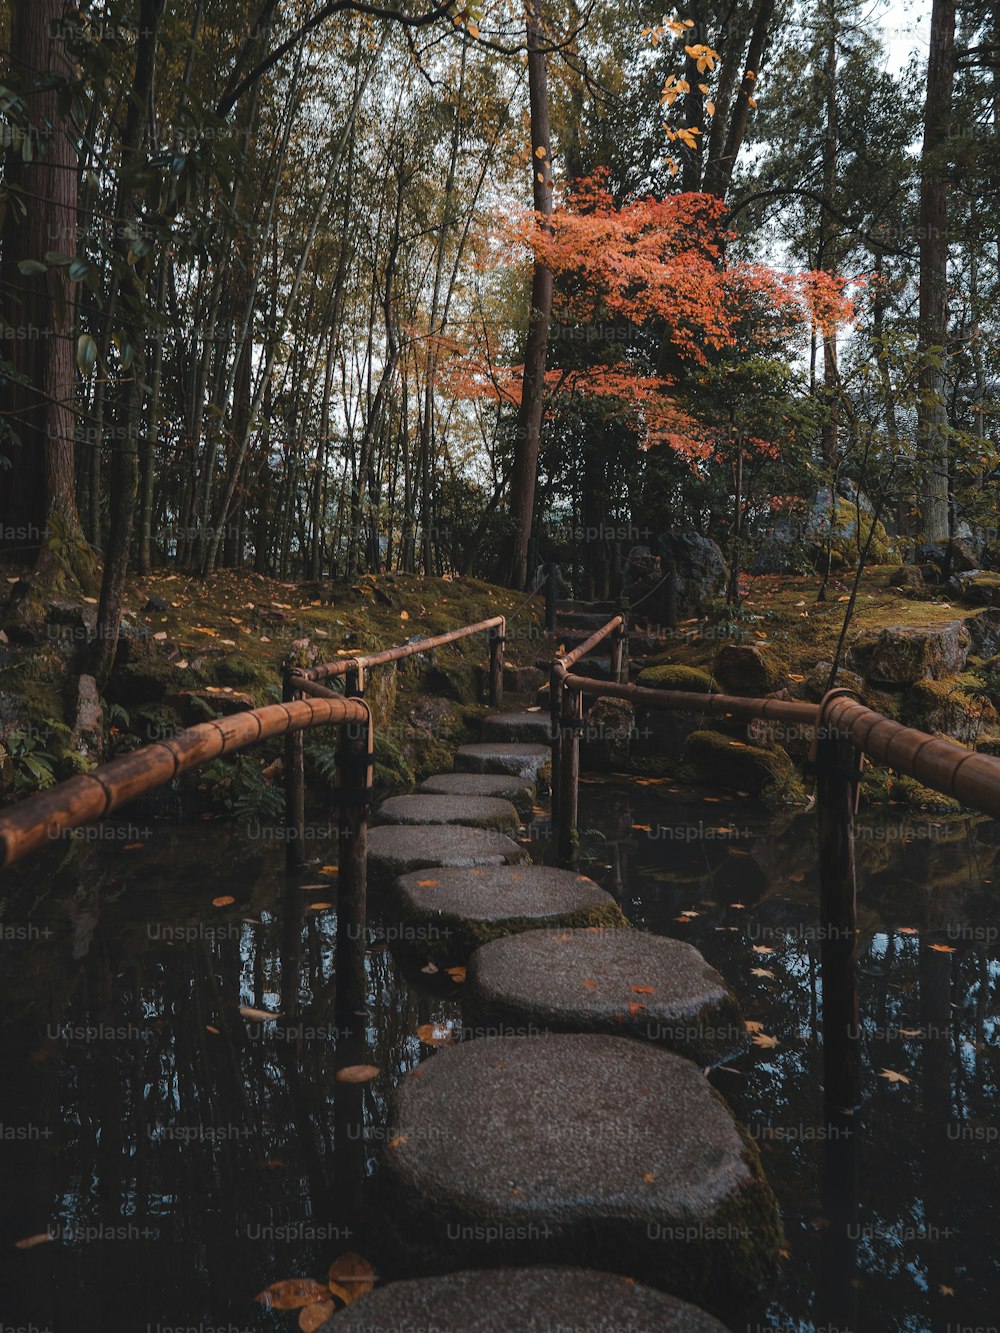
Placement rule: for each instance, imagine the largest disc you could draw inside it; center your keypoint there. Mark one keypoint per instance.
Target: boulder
(943, 707)
(984, 632)
(904, 654)
(909, 580)
(608, 729)
(88, 726)
(815, 684)
(978, 587)
(700, 568)
(747, 668)
(959, 557)
(721, 761)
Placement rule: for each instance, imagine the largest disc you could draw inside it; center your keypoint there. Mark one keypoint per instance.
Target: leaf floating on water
(320, 907)
(762, 948)
(457, 974)
(430, 968)
(352, 1273)
(356, 1074)
(752, 1025)
(312, 1316)
(436, 1034)
(906, 930)
(911, 1032)
(762, 1039)
(224, 901)
(329, 870)
(892, 1076)
(209, 1028)
(761, 972)
(292, 1293)
(941, 948)
(29, 1242)
(257, 1015)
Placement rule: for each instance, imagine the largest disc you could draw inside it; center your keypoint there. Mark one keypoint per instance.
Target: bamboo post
(355, 760)
(837, 765)
(555, 733)
(569, 772)
(551, 579)
(497, 639)
(618, 652)
(295, 787)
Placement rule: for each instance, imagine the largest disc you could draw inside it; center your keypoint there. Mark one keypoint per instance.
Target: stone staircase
(574, 1138)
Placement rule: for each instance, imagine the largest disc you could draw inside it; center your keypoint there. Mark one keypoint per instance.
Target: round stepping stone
(393, 849)
(503, 1299)
(451, 912)
(535, 727)
(624, 982)
(474, 811)
(520, 758)
(577, 1149)
(519, 791)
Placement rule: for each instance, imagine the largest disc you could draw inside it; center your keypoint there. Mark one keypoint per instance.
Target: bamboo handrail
(27, 826)
(365, 660)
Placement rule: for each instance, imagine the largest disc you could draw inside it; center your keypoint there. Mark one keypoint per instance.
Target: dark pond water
(183, 1157)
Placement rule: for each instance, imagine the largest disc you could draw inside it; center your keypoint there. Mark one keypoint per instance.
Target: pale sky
(905, 24)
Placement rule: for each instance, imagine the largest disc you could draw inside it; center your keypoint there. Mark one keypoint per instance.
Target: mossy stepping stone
(535, 727)
(474, 811)
(502, 1299)
(520, 758)
(623, 982)
(393, 849)
(577, 1149)
(519, 791)
(452, 911)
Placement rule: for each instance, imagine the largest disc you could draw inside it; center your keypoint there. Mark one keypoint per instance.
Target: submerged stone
(473, 811)
(623, 982)
(505, 1299)
(577, 1149)
(453, 911)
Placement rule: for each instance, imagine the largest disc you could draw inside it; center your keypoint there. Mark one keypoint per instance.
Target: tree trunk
(932, 326)
(529, 417)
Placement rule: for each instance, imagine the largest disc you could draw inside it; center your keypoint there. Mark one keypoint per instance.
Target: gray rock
(528, 1300)
(472, 811)
(984, 632)
(393, 849)
(701, 570)
(607, 735)
(449, 913)
(518, 758)
(904, 654)
(979, 587)
(577, 1149)
(814, 685)
(745, 668)
(534, 727)
(519, 791)
(623, 982)
(909, 580)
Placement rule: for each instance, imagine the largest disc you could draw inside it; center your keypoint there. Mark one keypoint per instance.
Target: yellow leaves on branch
(703, 56)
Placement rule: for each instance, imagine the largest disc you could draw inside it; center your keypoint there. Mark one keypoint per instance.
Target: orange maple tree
(655, 264)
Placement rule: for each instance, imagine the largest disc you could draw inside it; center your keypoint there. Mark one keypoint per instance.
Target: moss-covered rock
(671, 676)
(945, 707)
(849, 536)
(750, 669)
(903, 654)
(721, 761)
(815, 683)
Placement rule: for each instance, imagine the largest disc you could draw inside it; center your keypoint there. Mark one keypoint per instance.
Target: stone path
(573, 1129)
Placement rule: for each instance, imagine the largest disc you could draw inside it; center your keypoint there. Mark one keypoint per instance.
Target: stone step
(499, 1300)
(472, 811)
(577, 1149)
(394, 849)
(624, 982)
(519, 791)
(518, 758)
(585, 620)
(453, 911)
(517, 727)
(606, 609)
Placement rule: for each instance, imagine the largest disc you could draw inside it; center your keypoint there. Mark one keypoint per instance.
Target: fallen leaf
(224, 901)
(356, 1074)
(761, 972)
(456, 973)
(892, 1076)
(404, 615)
(209, 1028)
(762, 1039)
(427, 883)
(906, 930)
(752, 1025)
(436, 1034)
(644, 990)
(312, 1316)
(257, 1015)
(941, 948)
(398, 1141)
(30, 1242)
(431, 968)
(945, 1291)
(352, 1273)
(328, 870)
(649, 1177)
(762, 948)
(292, 1293)
(320, 907)
(589, 984)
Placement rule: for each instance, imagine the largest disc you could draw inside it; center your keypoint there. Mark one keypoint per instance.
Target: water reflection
(184, 1154)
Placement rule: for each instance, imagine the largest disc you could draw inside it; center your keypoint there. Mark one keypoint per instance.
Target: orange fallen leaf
(762, 1039)
(427, 883)
(752, 1025)
(589, 984)
(941, 948)
(456, 973)
(209, 1028)
(353, 1274)
(397, 1141)
(644, 990)
(291, 1294)
(356, 1074)
(225, 901)
(312, 1316)
(30, 1242)
(435, 1034)
(649, 1177)
(257, 1015)
(906, 930)
(892, 1076)
(761, 972)
(634, 1007)
(320, 907)
(762, 948)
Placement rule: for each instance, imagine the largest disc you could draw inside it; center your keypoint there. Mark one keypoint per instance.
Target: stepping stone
(623, 982)
(577, 1149)
(393, 849)
(451, 912)
(518, 727)
(519, 791)
(473, 811)
(585, 620)
(521, 759)
(606, 609)
(498, 1300)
